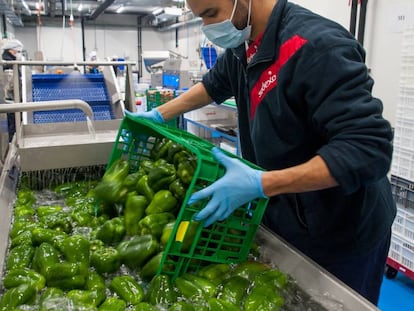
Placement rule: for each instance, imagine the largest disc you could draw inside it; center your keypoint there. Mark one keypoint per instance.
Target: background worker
(11, 51)
(307, 115)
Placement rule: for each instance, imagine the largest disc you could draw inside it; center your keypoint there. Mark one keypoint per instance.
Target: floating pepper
(20, 257)
(87, 297)
(182, 306)
(53, 237)
(149, 270)
(17, 296)
(18, 277)
(234, 289)
(112, 231)
(127, 288)
(66, 275)
(44, 257)
(195, 288)
(215, 304)
(136, 251)
(160, 291)
(75, 248)
(113, 304)
(263, 298)
(106, 260)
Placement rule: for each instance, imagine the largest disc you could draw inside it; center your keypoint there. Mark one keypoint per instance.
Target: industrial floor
(397, 294)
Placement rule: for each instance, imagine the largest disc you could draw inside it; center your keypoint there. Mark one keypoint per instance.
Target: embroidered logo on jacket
(268, 79)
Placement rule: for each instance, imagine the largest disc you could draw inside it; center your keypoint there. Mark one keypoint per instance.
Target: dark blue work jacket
(307, 92)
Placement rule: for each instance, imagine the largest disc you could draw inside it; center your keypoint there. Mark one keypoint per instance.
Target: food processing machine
(60, 150)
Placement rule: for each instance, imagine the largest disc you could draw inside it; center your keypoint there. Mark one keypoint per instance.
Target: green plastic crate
(157, 98)
(228, 241)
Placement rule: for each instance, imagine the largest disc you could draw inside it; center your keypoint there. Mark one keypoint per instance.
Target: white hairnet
(12, 44)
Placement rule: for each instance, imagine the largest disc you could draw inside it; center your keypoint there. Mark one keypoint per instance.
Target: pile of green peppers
(101, 249)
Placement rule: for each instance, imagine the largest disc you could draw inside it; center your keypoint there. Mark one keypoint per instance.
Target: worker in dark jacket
(307, 115)
(12, 50)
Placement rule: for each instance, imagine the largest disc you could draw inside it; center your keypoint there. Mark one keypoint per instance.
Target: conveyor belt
(88, 87)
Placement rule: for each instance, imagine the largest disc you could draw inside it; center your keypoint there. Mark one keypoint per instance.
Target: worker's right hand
(153, 115)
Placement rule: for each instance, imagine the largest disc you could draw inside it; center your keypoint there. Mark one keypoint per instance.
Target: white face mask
(225, 34)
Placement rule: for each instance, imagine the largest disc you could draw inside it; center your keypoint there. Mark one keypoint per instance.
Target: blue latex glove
(153, 115)
(239, 185)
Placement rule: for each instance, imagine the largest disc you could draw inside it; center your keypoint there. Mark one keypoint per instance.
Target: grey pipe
(48, 105)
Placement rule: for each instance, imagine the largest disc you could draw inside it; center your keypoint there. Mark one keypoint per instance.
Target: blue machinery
(60, 136)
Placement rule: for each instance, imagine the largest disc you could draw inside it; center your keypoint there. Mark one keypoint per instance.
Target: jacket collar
(269, 37)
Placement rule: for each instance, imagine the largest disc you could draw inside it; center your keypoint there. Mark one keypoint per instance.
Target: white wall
(383, 40)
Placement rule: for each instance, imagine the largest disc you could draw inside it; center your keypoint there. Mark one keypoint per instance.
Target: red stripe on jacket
(268, 79)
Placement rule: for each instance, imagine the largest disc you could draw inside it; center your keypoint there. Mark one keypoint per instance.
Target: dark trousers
(364, 274)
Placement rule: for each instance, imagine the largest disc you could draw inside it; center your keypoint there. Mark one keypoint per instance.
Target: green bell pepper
(163, 201)
(59, 221)
(44, 257)
(111, 188)
(18, 277)
(195, 288)
(182, 306)
(23, 212)
(66, 275)
(53, 237)
(95, 244)
(161, 291)
(112, 231)
(75, 249)
(160, 177)
(263, 298)
(154, 223)
(17, 296)
(273, 278)
(81, 218)
(94, 281)
(216, 273)
(133, 212)
(113, 304)
(130, 182)
(20, 226)
(215, 304)
(127, 288)
(185, 172)
(173, 149)
(20, 257)
(25, 197)
(143, 306)
(160, 149)
(149, 270)
(249, 269)
(87, 297)
(48, 293)
(166, 233)
(106, 260)
(144, 189)
(177, 189)
(45, 210)
(234, 289)
(184, 156)
(136, 251)
(24, 238)
(146, 166)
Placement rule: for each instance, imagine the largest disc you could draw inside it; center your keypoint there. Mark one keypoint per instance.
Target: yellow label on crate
(181, 231)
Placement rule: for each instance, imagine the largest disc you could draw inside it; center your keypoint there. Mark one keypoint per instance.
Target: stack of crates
(401, 254)
(157, 98)
(227, 241)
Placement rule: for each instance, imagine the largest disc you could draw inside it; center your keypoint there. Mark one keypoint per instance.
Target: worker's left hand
(153, 115)
(239, 185)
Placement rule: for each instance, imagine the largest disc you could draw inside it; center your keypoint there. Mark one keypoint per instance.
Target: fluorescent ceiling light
(80, 7)
(120, 9)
